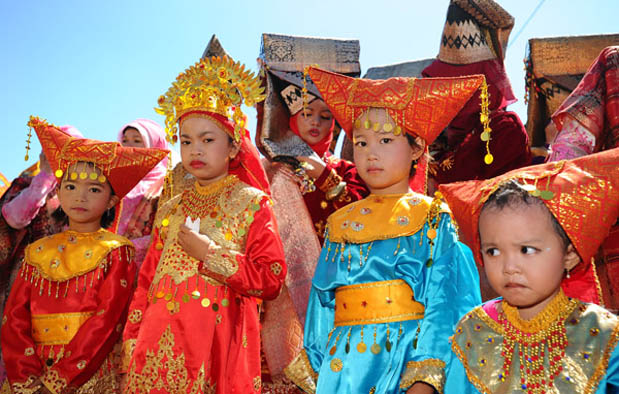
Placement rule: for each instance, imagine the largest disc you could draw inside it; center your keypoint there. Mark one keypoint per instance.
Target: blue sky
(98, 65)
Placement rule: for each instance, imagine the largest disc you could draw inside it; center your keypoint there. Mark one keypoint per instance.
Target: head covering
(582, 194)
(215, 88)
(153, 136)
(283, 60)
(122, 167)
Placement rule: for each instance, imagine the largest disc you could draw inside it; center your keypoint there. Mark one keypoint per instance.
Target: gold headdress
(219, 85)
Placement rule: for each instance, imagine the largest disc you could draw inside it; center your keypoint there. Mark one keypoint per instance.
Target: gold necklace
(201, 201)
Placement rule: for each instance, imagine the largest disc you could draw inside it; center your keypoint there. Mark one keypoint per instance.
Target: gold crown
(216, 84)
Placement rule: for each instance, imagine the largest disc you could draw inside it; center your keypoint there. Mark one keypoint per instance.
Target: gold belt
(57, 328)
(376, 302)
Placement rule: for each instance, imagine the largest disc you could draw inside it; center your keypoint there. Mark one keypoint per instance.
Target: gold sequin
(29, 351)
(276, 268)
(81, 364)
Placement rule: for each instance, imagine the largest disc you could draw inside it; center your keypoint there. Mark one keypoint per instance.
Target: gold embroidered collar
(65, 255)
(216, 186)
(379, 217)
(557, 309)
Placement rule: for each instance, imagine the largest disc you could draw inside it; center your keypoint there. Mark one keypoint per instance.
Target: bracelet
(335, 191)
(333, 180)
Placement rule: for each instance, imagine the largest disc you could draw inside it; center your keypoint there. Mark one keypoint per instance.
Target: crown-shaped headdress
(219, 85)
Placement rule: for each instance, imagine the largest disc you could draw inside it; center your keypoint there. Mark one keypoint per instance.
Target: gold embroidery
(29, 351)
(20, 388)
(81, 364)
(126, 353)
(135, 316)
(52, 380)
(227, 226)
(430, 371)
(302, 374)
(257, 383)
(69, 257)
(4, 319)
(174, 380)
(57, 328)
(276, 268)
(123, 282)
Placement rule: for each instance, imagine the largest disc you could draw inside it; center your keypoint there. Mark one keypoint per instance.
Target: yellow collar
(63, 256)
(379, 217)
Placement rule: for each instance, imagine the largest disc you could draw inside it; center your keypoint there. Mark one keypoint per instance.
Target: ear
(421, 148)
(236, 148)
(113, 201)
(571, 258)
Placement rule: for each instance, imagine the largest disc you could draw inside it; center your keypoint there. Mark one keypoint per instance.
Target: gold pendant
(375, 348)
(362, 347)
(336, 365)
(333, 350)
(205, 302)
(225, 302)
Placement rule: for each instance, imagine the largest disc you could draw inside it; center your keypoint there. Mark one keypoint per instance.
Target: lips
(314, 132)
(196, 164)
(79, 209)
(374, 170)
(514, 285)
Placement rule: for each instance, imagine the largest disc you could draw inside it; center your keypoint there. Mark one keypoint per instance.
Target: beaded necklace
(539, 338)
(200, 201)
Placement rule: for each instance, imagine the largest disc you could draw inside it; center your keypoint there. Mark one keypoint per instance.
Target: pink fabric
(20, 211)
(572, 142)
(491, 309)
(153, 136)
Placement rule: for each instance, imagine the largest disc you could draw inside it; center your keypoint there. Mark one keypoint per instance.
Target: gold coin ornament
(387, 127)
(205, 302)
(485, 136)
(397, 131)
(225, 302)
(376, 126)
(362, 347)
(186, 298)
(358, 124)
(73, 176)
(93, 176)
(488, 159)
(170, 305)
(168, 296)
(102, 178)
(195, 294)
(366, 125)
(375, 348)
(336, 365)
(160, 294)
(58, 173)
(83, 175)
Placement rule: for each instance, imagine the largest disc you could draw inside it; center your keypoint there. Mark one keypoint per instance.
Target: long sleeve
(139, 302)
(18, 347)
(259, 271)
(336, 171)
(20, 211)
(457, 381)
(98, 335)
(450, 288)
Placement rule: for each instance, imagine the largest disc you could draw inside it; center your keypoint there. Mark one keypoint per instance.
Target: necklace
(201, 201)
(537, 339)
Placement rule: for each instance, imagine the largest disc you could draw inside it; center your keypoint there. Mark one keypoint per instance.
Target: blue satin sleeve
(610, 383)
(457, 381)
(318, 324)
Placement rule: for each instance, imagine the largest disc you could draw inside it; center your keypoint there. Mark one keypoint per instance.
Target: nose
(511, 264)
(81, 194)
(314, 120)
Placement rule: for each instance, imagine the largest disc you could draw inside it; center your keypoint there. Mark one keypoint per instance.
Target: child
(392, 277)
(68, 305)
(536, 230)
(193, 322)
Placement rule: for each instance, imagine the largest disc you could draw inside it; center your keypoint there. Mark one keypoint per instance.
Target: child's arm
(261, 270)
(139, 303)
(337, 171)
(95, 339)
(449, 289)
(23, 366)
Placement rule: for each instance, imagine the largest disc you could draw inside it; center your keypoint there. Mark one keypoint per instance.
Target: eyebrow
(201, 134)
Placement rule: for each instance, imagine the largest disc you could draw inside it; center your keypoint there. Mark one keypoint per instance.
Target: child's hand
(197, 245)
(314, 167)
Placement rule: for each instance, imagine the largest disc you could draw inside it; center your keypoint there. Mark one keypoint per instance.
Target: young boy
(535, 231)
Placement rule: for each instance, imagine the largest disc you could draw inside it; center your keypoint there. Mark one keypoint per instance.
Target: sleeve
(96, 338)
(20, 211)
(303, 370)
(448, 289)
(612, 372)
(456, 380)
(139, 303)
(23, 365)
(259, 271)
(341, 183)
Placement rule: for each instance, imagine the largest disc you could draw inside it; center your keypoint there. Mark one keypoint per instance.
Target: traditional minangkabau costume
(588, 122)
(68, 305)
(571, 345)
(135, 213)
(193, 326)
(474, 41)
(392, 279)
(288, 90)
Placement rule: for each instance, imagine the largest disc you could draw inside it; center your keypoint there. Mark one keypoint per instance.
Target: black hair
(512, 194)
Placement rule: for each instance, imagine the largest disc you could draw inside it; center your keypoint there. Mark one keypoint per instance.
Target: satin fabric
(107, 293)
(447, 289)
(458, 382)
(213, 349)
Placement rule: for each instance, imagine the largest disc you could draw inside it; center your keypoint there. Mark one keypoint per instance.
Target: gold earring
(567, 273)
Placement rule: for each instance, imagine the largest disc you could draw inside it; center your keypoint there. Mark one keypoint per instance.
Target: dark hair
(106, 219)
(511, 194)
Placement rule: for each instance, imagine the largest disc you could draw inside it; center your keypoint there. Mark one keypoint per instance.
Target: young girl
(193, 322)
(68, 305)
(536, 231)
(392, 277)
(136, 212)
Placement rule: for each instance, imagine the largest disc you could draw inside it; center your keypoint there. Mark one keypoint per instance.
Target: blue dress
(409, 280)
(588, 364)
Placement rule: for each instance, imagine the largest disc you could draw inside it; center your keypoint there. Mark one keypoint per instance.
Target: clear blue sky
(99, 64)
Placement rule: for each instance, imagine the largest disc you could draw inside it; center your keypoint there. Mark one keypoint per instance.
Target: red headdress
(582, 194)
(122, 167)
(420, 107)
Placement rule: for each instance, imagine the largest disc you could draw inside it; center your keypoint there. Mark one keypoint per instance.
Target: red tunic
(193, 326)
(66, 311)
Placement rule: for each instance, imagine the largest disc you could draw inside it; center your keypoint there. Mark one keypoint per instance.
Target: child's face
(206, 149)
(83, 199)
(132, 138)
(315, 123)
(383, 159)
(523, 255)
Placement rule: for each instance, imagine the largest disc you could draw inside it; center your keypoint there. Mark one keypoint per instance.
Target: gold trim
(430, 371)
(57, 328)
(469, 373)
(301, 373)
(602, 366)
(126, 353)
(559, 308)
(53, 382)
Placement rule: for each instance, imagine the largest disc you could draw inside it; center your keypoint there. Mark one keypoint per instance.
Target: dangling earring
(567, 273)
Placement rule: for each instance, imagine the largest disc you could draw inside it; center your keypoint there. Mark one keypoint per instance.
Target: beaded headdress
(123, 167)
(582, 194)
(218, 85)
(422, 107)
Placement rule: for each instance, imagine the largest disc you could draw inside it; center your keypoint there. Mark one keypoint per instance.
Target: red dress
(66, 311)
(193, 326)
